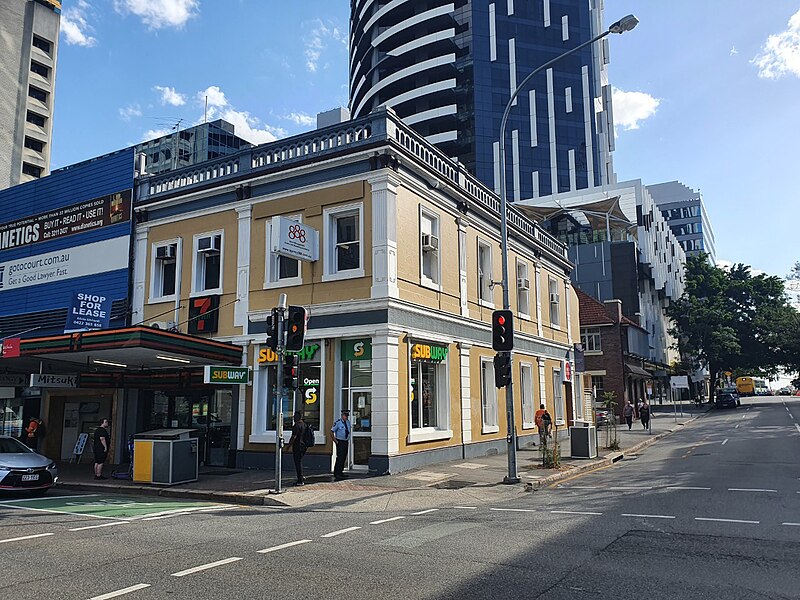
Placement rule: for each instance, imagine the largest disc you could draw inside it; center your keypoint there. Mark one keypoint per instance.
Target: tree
(730, 319)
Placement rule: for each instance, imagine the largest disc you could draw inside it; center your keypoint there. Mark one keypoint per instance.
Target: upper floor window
(35, 119)
(37, 94)
(591, 340)
(523, 289)
(343, 233)
(208, 262)
(484, 272)
(34, 144)
(164, 271)
(429, 247)
(554, 301)
(40, 69)
(281, 270)
(31, 170)
(42, 44)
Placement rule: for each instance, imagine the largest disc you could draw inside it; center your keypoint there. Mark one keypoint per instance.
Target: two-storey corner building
(400, 297)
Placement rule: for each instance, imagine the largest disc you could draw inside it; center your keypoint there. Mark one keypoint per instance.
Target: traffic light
(502, 370)
(296, 323)
(502, 330)
(291, 371)
(272, 331)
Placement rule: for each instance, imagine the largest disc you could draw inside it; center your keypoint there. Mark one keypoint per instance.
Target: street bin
(583, 440)
(165, 456)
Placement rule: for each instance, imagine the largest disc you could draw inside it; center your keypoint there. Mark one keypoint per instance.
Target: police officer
(340, 432)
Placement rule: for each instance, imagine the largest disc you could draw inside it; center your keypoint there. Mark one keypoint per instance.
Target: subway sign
(226, 375)
(428, 352)
(308, 353)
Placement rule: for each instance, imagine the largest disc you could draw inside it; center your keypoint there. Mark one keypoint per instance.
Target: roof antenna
(205, 113)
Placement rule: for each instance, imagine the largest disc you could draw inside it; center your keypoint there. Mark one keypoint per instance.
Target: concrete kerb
(605, 461)
(200, 495)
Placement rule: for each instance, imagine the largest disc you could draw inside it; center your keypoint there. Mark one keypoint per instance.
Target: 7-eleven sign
(203, 314)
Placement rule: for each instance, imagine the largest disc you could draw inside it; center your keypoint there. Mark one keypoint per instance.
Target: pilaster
(466, 392)
(243, 267)
(384, 235)
(385, 395)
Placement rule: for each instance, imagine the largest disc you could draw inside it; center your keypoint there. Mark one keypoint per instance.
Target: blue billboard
(62, 235)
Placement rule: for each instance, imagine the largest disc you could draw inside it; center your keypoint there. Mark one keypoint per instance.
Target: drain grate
(453, 484)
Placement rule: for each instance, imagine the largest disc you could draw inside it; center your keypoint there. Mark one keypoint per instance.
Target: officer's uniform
(341, 433)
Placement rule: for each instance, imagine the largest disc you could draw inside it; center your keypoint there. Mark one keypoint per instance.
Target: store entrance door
(360, 406)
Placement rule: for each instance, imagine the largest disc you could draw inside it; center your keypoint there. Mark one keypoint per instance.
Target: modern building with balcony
(686, 214)
(28, 52)
(448, 69)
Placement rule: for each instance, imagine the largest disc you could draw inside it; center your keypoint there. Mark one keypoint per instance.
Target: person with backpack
(302, 439)
(644, 414)
(543, 422)
(33, 432)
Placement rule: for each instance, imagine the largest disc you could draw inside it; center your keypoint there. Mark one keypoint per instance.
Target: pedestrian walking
(33, 432)
(644, 414)
(627, 412)
(543, 422)
(100, 447)
(298, 447)
(340, 432)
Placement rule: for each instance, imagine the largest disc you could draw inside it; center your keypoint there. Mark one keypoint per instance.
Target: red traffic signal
(296, 323)
(502, 330)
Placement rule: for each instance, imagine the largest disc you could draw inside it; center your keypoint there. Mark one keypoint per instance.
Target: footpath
(468, 481)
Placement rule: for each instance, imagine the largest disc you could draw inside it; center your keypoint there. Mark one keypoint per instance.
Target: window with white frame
(280, 270)
(591, 339)
(558, 400)
(488, 397)
(526, 393)
(554, 298)
(523, 289)
(484, 272)
(208, 249)
(343, 232)
(429, 247)
(164, 271)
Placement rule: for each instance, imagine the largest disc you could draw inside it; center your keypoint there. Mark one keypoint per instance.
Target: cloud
(152, 134)
(245, 125)
(300, 118)
(170, 96)
(630, 108)
(780, 55)
(317, 41)
(127, 113)
(734, 50)
(727, 265)
(158, 14)
(75, 27)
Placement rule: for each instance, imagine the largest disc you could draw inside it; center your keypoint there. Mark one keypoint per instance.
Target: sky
(705, 92)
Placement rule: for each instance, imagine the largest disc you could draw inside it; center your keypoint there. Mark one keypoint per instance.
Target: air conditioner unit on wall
(209, 244)
(523, 283)
(430, 243)
(166, 252)
(554, 298)
(165, 325)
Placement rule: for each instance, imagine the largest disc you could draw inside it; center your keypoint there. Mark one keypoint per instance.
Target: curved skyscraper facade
(448, 69)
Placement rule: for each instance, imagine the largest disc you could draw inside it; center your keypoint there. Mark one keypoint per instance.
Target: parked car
(785, 391)
(22, 469)
(726, 400)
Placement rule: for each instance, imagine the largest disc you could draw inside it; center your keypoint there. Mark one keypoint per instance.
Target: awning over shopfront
(128, 350)
(637, 371)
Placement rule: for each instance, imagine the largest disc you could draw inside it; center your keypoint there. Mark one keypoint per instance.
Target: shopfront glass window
(11, 417)
(306, 399)
(428, 386)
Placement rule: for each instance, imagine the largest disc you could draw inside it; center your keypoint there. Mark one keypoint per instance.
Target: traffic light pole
(279, 394)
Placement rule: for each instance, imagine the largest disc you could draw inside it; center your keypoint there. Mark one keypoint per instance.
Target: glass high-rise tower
(448, 69)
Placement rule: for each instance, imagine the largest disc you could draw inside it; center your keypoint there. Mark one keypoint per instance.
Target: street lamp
(624, 24)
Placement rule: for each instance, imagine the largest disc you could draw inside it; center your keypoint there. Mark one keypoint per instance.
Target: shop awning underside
(638, 371)
(129, 349)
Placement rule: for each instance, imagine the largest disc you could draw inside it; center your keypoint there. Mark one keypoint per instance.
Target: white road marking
(744, 415)
(215, 509)
(101, 525)
(752, 490)
(798, 426)
(624, 488)
(169, 516)
(574, 512)
(51, 498)
(514, 509)
(386, 520)
(792, 524)
(340, 532)
(425, 512)
(584, 487)
(687, 487)
(282, 546)
(787, 408)
(64, 512)
(648, 516)
(218, 563)
(466, 507)
(726, 520)
(737, 426)
(725, 441)
(25, 537)
(173, 511)
(123, 591)
(792, 416)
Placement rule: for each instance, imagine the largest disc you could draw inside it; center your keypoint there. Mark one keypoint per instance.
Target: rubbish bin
(165, 456)
(583, 440)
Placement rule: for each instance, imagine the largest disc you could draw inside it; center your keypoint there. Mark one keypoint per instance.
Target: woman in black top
(101, 445)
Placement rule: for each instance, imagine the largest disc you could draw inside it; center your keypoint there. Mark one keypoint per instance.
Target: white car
(22, 469)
